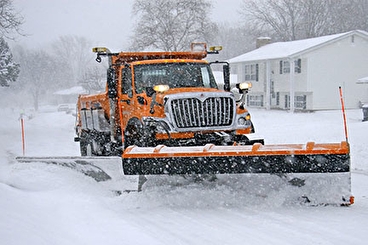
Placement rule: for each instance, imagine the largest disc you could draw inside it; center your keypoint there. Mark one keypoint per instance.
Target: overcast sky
(103, 22)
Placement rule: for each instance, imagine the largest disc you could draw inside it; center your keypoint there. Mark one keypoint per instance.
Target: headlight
(244, 120)
(161, 88)
(241, 121)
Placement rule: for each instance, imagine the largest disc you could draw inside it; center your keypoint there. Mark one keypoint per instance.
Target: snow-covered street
(49, 204)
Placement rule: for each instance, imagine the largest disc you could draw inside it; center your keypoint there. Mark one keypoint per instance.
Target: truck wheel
(86, 148)
(83, 147)
(133, 134)
(137, 134)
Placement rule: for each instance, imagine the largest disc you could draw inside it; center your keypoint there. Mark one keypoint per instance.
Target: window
(300, 102)
(298, 66)
(285, 66)
(205, 77)
(251, 72)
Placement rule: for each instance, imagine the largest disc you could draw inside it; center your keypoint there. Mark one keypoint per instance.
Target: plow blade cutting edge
(320, 172)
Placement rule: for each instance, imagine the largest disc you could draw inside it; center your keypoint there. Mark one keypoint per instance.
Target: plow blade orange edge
(257, 158)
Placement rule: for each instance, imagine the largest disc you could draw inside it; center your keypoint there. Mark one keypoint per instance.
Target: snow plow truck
(164, 114)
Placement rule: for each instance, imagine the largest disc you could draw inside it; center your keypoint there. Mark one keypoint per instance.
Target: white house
(306, 74)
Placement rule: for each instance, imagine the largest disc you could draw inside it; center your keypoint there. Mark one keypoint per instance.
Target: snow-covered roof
(288, 49)
(72, 90)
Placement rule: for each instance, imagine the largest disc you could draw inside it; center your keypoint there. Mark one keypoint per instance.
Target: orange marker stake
(343, 114)
(23, 136)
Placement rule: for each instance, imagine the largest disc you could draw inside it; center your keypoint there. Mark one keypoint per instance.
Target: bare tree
(346, 15)
(361, 14)
(10, 20)
(94, 79)
(74, 53)
(283, 17)
(235, 40)
(36, 77)
(316, 20)
(171, 25)
(287, 20)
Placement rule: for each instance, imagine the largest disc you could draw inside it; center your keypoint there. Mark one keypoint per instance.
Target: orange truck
(164, 114)
(162, 98)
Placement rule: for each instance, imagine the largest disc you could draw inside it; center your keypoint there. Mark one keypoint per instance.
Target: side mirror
(130, 93)
(226, 73)
(243, 87)
(150, 91)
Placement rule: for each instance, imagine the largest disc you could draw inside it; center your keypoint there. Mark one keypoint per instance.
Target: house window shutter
(257, 69)
(298, 67)
(248, 72)
(280, 66)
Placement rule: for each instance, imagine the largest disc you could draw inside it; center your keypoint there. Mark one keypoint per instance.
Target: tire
(83, 147)
(86, 145)
(137, 134)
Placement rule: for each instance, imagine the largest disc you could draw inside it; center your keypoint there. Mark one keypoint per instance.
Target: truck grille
(212, 112)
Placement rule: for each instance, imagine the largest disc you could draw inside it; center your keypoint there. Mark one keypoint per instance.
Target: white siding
(339, 64)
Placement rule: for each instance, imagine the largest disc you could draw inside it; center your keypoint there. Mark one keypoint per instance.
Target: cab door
(126, 99)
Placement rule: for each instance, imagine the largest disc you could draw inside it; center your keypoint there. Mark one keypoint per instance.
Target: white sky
(103, 22)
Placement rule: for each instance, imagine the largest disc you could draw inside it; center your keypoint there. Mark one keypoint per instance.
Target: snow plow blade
(315, 174)
(257, 158)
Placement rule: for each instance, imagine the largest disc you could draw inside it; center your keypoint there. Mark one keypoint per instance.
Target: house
(306, 74)
(69, 95)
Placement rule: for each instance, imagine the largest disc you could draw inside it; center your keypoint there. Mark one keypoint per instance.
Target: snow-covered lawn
(49, 204)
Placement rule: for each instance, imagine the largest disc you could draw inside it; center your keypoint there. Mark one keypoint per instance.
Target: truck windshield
(176, 75)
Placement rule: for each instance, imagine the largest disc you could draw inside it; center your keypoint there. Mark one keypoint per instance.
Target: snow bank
(49, 204)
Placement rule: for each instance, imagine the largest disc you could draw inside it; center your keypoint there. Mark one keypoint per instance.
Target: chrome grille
(212, 112)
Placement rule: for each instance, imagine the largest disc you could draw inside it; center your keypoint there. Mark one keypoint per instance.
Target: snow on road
(49, 204)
